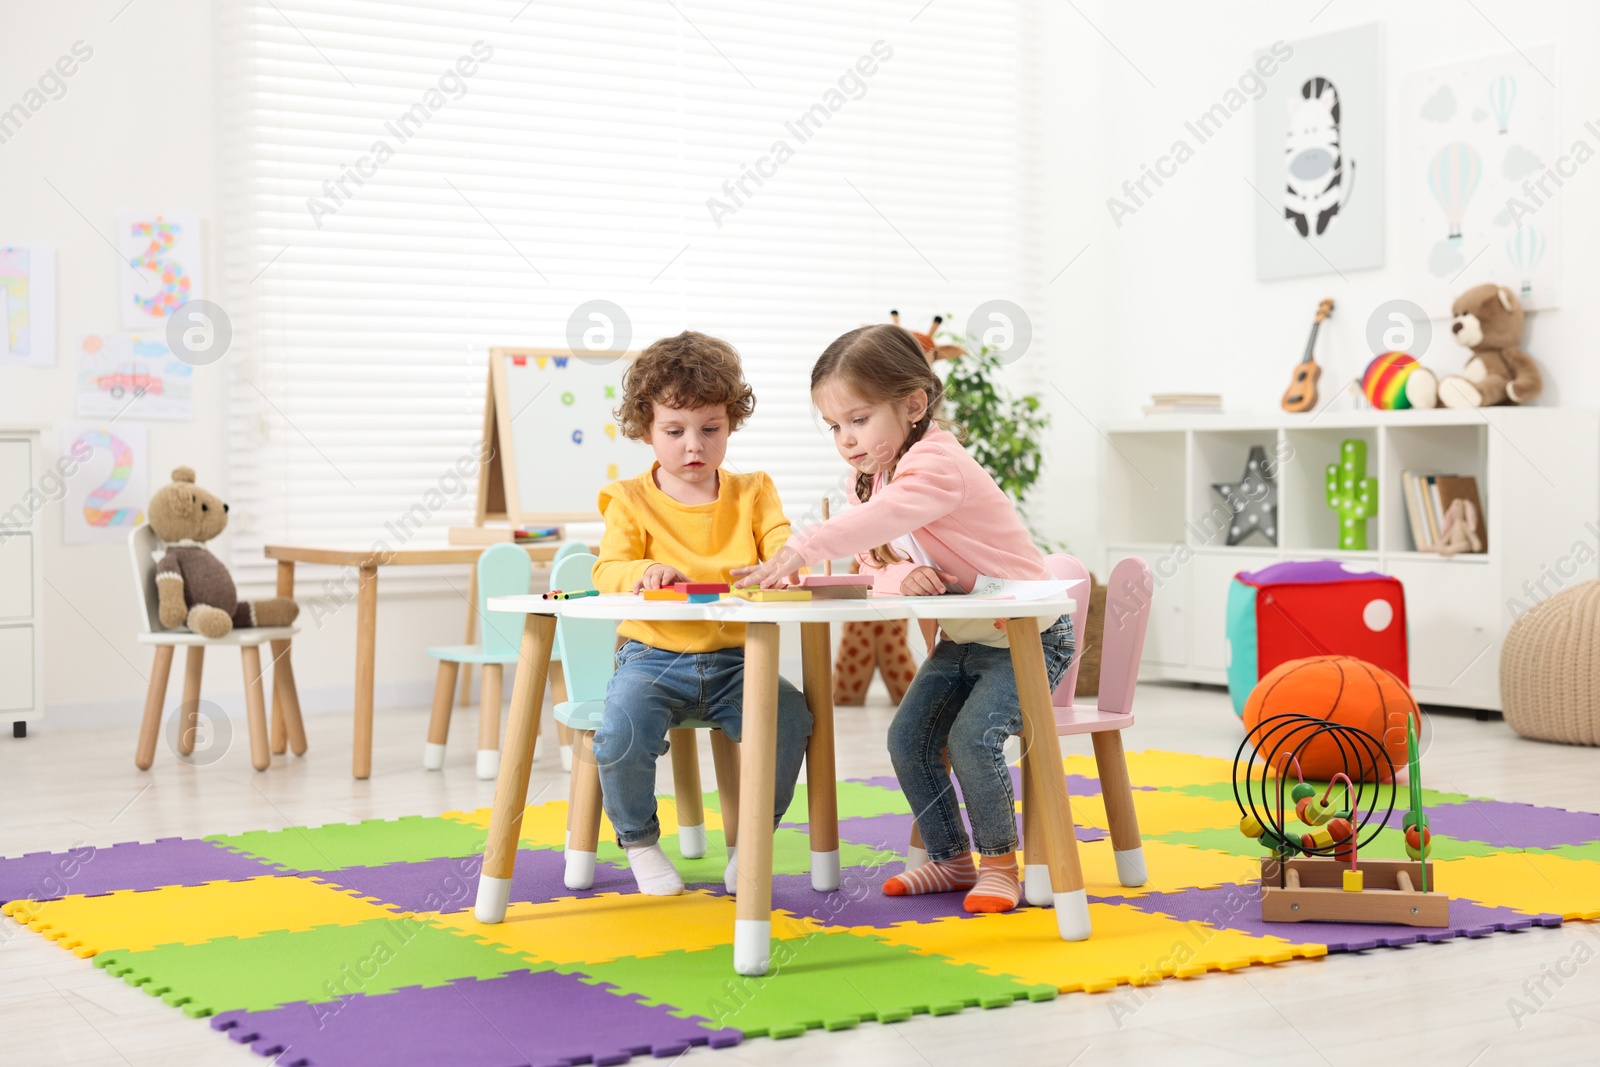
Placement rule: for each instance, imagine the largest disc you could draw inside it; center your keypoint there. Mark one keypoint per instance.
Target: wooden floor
(1427, 1004)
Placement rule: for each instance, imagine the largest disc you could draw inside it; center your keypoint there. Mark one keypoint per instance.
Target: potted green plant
(1002, 431)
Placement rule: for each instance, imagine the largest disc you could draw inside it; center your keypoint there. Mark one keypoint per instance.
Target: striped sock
(997, 888)
(935, 876)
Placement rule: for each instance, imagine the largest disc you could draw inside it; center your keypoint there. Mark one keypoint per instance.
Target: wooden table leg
(816, 649)
(472, 635)
(752, 928)
(255, 707)
(1042, 762)
(516, 763)
(366, 665)
(280, 730)
(558, 695)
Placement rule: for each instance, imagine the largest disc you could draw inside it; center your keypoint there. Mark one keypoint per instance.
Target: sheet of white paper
(987, 588)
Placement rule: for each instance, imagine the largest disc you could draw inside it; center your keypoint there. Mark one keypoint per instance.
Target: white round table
(753, 922)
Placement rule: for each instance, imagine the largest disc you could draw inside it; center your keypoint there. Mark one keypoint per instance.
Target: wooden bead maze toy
(1317, 875)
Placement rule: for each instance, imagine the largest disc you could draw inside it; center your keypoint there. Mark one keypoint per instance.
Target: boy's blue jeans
(654, 690)
(964, 698)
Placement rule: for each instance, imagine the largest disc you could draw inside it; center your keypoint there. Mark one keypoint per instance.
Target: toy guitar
(1302, 392)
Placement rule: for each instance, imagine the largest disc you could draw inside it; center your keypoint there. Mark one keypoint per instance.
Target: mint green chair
(588, 651)
(503, 570)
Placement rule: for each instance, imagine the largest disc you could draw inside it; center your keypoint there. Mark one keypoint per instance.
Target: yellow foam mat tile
(1526, 881)
(1172, 868)
(137, 920)
(1161, 813)
(612, 926)
(1128, 947)
(545, 825)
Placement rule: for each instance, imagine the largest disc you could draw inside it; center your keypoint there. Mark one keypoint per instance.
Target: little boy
(684, 520)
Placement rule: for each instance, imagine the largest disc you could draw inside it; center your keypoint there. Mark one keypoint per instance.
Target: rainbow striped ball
(1384, 383)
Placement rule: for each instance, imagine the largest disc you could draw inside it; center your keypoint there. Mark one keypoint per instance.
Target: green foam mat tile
(1223, 790)
(363, 844)
(791, 854)
(323, 964)
(827, 981)
(856, 800)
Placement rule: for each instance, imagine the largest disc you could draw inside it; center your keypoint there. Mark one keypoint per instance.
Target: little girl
(930, 519)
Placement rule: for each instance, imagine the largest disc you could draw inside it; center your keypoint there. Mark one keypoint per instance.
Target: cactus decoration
(1352, 494)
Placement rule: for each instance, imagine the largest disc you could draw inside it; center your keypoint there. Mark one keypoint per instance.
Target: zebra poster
(1318, 196)
(1484, 166)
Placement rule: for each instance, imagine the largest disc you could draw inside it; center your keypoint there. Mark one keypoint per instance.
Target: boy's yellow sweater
(744, 526)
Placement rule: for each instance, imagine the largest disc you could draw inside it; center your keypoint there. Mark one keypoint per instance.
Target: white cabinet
(21, 580)
(1538, 473)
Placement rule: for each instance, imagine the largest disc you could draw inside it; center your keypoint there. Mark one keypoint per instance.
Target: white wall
(136, 129)
(1168, 301)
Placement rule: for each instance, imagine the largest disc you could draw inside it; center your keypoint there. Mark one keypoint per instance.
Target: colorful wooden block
(664, 594)
(692, 588)
(704, 598)
(1301, 608)
(769, 596)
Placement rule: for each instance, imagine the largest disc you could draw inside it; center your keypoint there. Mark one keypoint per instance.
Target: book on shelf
(1168, 403)
(1429, 496)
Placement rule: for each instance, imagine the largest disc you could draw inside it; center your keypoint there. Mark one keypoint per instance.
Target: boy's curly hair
(691, 370)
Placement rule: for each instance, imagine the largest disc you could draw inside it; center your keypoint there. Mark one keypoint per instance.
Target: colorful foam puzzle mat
(355, 944)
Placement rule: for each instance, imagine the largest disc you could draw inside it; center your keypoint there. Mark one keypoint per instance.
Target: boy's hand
(659, 575)
(785, 566)
(925, 581)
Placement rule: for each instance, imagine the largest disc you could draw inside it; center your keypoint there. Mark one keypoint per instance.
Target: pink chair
(1128, 596)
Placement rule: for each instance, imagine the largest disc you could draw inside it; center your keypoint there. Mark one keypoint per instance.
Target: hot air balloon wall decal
(1482, 177)
(1453, 178)
(1525, 249)
(1502, 95)
(1318, 128)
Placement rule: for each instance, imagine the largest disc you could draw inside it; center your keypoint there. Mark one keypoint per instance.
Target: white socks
(654, 873)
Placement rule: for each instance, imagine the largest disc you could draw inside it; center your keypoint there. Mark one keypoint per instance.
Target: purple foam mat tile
(1238, 907)
(893, 832)
(1506, 825)
(87, 871)
(521, 1019)
(450, 885)
(859, 900)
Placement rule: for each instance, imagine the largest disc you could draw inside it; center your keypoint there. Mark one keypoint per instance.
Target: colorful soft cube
(1302, 608)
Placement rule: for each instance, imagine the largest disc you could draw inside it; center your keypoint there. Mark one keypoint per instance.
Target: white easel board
(554, 442)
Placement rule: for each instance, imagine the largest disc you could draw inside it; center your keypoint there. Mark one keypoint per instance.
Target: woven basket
(1550, 669)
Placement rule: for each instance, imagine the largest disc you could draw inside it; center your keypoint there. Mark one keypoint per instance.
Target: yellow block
(188, 915)
(764, 596)
(1526, 881)
(1172, 868)
(1128, 947)
(610, 926)
(1353, 881)
(1161, 813)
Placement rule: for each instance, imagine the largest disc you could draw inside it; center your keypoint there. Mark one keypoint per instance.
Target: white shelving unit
(1538, 472)
(21, 581)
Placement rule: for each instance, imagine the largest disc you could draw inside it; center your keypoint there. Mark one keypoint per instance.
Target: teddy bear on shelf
(1488, 320)
(194, 587)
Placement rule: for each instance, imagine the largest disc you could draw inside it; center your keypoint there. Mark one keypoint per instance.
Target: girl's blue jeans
(964, 699)
(653, 691)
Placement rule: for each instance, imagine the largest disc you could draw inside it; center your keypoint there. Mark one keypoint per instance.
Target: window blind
(405, 185)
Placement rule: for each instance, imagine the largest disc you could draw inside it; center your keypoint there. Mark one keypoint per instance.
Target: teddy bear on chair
(194, 587)
(1488, 320)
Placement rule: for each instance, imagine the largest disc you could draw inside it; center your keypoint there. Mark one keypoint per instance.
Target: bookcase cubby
(1538, 475)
